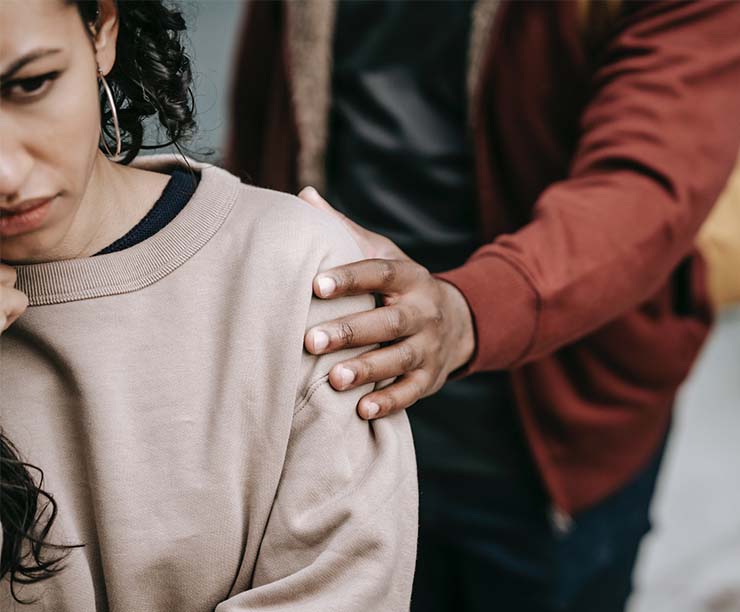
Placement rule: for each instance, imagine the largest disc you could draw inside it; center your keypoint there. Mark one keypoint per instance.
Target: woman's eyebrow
(29, 57)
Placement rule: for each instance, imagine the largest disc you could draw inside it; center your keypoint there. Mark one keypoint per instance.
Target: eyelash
(39, 85)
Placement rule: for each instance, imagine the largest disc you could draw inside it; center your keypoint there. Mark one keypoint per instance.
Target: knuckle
(437, 346)
(414, 317)
(396, 321)
(391, 403)
(437, 317)
(420, 272)
(346, 333)
(365, 371)
(387, 271)
(407, 356)
(347, 280)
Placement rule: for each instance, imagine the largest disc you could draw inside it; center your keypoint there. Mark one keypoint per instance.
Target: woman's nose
(15, 163)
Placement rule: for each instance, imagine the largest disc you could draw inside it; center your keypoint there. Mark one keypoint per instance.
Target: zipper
(561, 522)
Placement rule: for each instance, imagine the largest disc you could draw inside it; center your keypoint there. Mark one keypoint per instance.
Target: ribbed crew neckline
(147, 262)
(175, 196)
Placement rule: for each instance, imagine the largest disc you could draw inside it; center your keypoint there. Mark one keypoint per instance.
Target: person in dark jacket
(527, 180)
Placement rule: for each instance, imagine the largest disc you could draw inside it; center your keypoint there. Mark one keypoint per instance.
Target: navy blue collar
(175, 196)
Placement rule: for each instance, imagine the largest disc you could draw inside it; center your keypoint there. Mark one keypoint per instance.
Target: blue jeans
(487, 544)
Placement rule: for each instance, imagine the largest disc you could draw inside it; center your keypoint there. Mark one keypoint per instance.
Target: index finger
(366, 276)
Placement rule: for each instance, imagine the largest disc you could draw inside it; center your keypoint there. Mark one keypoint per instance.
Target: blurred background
(691, 560)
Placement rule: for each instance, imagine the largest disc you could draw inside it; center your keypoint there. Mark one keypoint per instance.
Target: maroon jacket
(596, 162)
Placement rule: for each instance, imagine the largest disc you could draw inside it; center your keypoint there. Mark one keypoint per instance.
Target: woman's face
(49, 120)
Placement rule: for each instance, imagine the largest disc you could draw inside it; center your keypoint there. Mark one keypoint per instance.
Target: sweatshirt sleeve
(658, 140)
(341, 535)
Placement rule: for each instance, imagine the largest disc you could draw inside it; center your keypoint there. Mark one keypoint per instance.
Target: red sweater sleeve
(658, 140)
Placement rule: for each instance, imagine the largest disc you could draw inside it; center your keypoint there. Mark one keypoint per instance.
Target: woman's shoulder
(283, 209)
(290, 229)
(281, 224)
(286, 243)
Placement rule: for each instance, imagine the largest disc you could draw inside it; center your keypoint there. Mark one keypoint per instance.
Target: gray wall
(691, 561)
(213, 32)
(211, 41)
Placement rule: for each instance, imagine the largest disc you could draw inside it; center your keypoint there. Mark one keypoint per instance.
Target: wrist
(462, 330)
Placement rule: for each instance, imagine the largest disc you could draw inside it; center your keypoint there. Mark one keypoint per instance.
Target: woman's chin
(29, 248)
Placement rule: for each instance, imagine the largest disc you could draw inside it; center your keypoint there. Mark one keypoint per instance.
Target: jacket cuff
(505, 309)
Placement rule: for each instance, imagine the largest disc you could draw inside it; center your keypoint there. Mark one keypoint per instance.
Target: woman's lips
(24, 218)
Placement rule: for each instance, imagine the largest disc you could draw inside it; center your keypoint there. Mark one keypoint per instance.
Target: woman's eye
(28, 88)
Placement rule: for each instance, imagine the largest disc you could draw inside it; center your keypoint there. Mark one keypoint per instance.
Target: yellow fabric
(719, 243)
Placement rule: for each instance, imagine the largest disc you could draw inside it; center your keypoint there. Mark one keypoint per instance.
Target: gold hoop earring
(111, 102)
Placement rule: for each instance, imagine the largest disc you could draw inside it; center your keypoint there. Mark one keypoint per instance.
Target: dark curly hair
(28, 513)
(151, 76)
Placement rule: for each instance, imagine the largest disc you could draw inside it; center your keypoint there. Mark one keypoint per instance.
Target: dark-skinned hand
(424, 324)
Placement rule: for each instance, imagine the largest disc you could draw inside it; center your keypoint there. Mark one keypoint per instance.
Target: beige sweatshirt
(191, 443)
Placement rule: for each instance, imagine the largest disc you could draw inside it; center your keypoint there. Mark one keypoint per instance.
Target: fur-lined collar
(310, 27)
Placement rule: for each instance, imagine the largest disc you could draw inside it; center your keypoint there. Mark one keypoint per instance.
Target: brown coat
(597, 160)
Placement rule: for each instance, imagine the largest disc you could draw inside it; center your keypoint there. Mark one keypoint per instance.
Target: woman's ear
(106, 35)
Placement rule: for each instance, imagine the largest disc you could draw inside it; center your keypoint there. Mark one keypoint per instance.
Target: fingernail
(327, 285)
(320, 340)
(371, 410)
(346, 376)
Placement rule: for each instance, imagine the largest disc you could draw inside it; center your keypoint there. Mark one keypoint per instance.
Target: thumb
(374, 246)
(314, 199)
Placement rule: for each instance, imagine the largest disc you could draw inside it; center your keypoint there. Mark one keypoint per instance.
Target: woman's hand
(426, 320)
(12, 301)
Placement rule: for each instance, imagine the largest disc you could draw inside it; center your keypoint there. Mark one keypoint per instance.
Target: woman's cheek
(78, 116)
(75, 119)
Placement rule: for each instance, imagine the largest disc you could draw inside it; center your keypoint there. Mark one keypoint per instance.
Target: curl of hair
(27, 513)
(151, 75)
